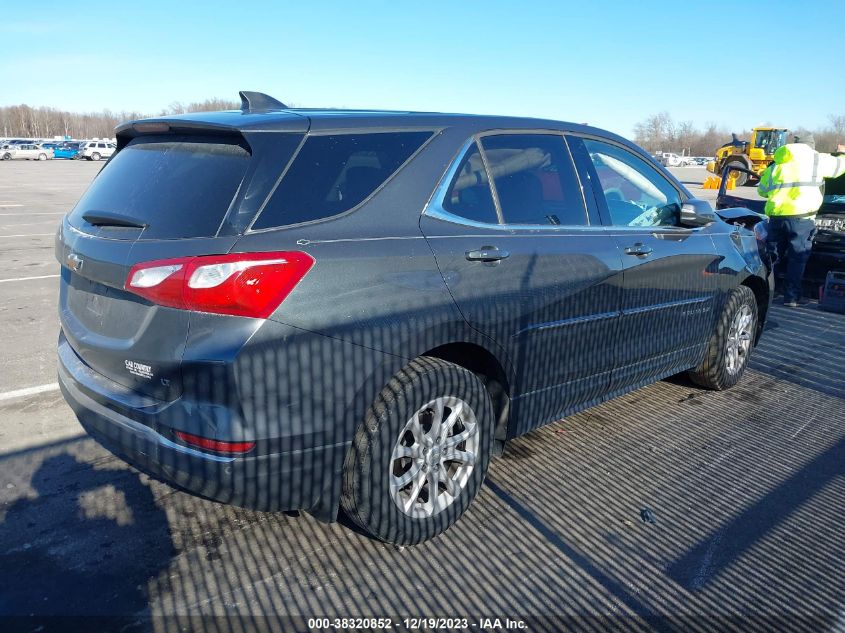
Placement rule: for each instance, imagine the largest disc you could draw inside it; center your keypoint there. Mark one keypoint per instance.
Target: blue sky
(607, 63)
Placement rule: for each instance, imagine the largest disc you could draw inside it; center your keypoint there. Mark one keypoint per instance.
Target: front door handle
(487, 254)
(639, 249)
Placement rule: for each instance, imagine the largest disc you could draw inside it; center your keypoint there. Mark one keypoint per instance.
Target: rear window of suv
(332, 174)
(179, 186)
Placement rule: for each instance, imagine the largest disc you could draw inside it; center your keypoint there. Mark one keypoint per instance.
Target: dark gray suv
(352, 311)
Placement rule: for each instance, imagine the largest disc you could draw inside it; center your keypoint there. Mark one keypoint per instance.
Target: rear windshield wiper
(104, 218)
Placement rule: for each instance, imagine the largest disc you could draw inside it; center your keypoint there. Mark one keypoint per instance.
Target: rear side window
(469, 194)
(333, 174)
(179, 186)
(534, 179)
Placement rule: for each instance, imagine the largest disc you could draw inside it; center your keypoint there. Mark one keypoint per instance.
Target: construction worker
(793, 186)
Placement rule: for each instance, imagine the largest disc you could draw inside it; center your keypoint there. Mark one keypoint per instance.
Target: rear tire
(402, 452)
(7, 156)
(730, 344)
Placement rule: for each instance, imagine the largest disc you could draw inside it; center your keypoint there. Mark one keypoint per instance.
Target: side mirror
(696, 213)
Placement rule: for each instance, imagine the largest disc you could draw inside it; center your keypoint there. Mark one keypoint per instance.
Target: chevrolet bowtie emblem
(74, 262)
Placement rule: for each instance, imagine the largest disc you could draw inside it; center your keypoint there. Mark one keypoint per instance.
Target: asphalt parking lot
(671, 508)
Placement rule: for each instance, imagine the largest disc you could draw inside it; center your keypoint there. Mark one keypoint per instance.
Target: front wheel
(7, 156)
(95, 156)
(739, 177)
(42, 157)
(730, 344)
(420, 456)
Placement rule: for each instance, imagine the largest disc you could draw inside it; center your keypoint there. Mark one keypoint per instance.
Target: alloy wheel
(739, 339)
(434, 457)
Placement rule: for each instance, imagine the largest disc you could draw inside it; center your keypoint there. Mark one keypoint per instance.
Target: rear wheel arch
(473, 356)
(484, 364)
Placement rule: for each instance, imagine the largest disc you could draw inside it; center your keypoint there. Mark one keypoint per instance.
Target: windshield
(770, 140)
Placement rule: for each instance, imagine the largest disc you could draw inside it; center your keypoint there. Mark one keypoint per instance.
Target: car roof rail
(258, 102)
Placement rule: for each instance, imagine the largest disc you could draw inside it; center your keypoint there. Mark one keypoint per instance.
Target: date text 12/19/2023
(413, 624)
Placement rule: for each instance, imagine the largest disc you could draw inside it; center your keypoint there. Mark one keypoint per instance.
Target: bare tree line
(45, 122)
(660, 133)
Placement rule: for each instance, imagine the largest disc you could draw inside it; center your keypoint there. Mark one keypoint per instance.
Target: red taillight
(215, 445)
(240, 284)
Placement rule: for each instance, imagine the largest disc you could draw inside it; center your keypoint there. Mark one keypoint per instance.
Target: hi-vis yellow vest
(793, 182)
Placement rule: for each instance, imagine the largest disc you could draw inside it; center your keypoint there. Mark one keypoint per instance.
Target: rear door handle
(487, 254)
(639, 249)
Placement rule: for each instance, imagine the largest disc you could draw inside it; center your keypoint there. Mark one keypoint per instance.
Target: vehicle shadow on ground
(83, 540)
(743, 491)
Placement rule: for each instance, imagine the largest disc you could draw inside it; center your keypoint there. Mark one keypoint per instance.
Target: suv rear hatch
(161, 196)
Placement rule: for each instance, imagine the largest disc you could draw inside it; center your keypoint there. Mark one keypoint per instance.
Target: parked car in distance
(353, 311)
(26, 152)
(668, 159)
(95, 150)
(68, 149)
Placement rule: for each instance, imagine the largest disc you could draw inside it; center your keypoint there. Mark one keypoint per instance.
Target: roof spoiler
(258, 102)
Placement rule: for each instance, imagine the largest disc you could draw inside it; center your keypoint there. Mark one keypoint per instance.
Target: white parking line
(3, 281)
(29, 235)
(37, 213)
(10, 205)
(28, 391)
(11, 226)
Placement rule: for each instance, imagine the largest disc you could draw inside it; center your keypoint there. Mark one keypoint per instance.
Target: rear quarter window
(332, 174)
(180, 186)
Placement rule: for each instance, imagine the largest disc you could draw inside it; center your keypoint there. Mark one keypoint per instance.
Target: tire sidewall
(373, 449)
(741, 176)
(739, 297)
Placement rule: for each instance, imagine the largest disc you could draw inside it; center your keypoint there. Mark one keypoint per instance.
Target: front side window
(469, 194)
(636, 194)
(534, 179)
(334, 173)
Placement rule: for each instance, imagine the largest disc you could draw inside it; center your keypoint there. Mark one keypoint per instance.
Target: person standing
(793, 187)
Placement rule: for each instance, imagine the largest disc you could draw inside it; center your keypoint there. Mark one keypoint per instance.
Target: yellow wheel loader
(754, 155)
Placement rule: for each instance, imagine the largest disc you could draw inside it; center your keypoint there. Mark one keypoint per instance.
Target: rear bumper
(129, 425)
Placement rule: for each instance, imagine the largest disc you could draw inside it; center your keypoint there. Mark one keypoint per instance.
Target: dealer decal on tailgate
(139, 369)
